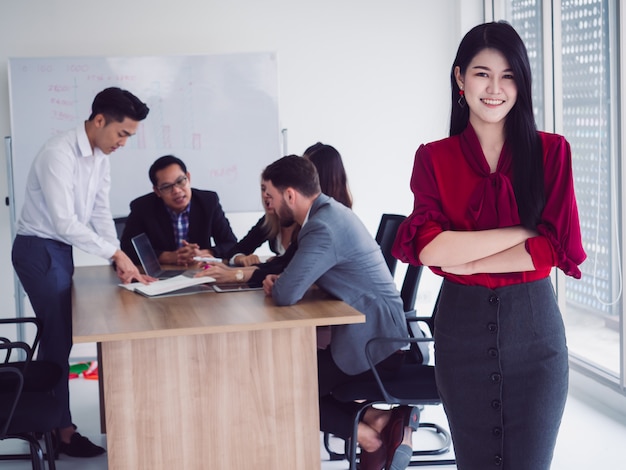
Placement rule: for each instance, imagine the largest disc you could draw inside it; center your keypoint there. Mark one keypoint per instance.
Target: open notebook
(178, 285)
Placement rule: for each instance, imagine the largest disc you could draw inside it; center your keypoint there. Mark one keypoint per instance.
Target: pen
(207, 259)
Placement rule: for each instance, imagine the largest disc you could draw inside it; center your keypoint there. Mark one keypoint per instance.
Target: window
(584, 104)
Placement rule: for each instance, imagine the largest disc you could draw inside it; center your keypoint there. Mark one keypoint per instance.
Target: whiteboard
(218, 113)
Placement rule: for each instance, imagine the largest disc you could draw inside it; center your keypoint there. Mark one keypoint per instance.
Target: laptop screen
(146, 254)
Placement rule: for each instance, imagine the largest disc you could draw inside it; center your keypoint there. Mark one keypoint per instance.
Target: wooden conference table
(205, 381)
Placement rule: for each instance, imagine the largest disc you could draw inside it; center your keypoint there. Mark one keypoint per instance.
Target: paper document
(167, 285)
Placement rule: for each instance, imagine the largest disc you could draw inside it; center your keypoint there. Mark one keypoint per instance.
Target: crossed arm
(500, 250)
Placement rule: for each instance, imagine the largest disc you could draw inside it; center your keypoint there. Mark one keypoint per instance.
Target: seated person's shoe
(373, 460)
(399, 454)
(80, 446)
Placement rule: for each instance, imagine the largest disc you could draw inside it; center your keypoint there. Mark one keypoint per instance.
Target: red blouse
(454, 190)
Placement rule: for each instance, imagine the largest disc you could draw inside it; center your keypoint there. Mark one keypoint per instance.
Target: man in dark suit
(180, 221)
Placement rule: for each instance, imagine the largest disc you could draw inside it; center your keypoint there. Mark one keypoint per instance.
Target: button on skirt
(502, 370)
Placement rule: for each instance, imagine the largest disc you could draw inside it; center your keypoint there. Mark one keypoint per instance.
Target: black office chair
(386, 235)
(120, 223)
(414, 384)
(27, 404)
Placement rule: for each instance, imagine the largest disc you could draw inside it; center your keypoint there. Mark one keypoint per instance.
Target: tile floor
(590, 438)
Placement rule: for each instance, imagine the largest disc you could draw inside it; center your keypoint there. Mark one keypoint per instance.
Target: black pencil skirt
(502, 372)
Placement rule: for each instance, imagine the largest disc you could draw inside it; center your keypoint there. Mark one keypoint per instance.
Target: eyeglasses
(179, 183)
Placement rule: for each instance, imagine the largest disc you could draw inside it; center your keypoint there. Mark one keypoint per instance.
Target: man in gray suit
(338, 254)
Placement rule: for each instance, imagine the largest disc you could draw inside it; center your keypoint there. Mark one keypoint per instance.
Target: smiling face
(109, 137)
(489, 87)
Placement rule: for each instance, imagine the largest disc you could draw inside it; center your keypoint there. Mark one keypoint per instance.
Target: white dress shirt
(67, 195)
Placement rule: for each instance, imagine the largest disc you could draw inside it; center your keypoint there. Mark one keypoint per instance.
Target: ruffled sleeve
(427, 219)
(559, 224)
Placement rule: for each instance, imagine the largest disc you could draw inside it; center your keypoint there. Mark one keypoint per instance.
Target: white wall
(367, 76)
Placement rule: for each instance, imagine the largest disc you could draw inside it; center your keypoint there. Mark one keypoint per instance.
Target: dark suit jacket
(206, 220)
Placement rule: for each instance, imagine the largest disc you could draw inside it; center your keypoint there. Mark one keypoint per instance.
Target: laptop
(150, 261)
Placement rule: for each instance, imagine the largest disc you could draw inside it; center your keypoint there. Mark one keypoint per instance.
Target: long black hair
(332, 173)
(520, 127)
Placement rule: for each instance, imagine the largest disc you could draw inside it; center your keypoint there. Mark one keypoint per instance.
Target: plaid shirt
(180, 224)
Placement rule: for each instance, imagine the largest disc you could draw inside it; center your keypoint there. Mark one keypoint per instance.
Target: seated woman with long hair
(282, 240)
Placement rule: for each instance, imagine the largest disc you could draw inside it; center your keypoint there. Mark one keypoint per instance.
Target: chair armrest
(389, 398)
(10, 346)
(412, 317)
(26, 320)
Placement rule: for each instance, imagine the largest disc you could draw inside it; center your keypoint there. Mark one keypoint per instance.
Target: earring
(461, 101)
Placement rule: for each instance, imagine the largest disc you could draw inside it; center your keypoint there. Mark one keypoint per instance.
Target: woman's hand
(218, 271)
(246, 260)
(515, 259)
(460, 269)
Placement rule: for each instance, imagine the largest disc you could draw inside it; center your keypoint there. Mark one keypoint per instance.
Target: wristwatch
(239, 275)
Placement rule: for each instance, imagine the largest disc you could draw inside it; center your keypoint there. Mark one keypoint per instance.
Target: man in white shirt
(67, 204)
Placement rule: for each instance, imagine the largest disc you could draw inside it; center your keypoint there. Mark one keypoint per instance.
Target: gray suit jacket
(336, 252)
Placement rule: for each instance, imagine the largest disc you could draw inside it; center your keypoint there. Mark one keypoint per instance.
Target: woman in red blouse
(494, 211)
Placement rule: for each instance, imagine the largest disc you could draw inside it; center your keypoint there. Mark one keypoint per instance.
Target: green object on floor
(79, 368)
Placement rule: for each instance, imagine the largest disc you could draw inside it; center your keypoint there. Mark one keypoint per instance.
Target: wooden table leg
(103, 423)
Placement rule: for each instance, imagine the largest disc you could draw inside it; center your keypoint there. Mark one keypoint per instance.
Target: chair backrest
(120, 223)
(386, 235)
(411, 281)
(408, 293)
